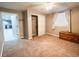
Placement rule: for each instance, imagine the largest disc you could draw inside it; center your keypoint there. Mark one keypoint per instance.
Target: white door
(15, 25)
(10, 26)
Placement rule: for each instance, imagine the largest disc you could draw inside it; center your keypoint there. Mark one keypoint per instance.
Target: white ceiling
(39, 7)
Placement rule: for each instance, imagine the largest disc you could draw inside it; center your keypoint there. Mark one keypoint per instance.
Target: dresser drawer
(69, 36)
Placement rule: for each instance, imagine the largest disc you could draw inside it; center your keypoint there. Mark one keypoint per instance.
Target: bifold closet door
(34, 26)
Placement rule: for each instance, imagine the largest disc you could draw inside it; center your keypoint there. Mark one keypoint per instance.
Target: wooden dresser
(69, 36)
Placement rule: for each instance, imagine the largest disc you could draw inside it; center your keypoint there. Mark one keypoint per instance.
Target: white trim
(53, 34)
(30, 38)
(2, 48)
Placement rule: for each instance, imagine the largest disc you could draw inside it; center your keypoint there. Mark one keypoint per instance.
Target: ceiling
(39, 7)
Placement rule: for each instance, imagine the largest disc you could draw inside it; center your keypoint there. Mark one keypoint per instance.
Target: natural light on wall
(60, 20)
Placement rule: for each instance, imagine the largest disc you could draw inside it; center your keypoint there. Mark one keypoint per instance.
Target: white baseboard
(2, 49)
(30, 38)
(53, 34)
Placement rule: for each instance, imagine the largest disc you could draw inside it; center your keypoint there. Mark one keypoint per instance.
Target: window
(60, 20)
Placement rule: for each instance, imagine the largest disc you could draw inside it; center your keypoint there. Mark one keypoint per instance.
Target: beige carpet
(43, 46)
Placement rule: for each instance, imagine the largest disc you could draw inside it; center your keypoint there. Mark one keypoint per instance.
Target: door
(34, 25)
(15, 24)
(10, 26)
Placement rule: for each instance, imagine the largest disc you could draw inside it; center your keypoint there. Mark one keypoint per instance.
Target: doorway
(34, 25)
(10, 26)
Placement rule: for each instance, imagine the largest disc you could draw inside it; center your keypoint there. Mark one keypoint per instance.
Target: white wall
(75, 20)
(50, 21)
(41, 23)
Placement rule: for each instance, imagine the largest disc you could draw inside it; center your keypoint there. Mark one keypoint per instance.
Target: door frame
(36, 23)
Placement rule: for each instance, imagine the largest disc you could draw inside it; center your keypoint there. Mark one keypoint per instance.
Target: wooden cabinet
(69, 36)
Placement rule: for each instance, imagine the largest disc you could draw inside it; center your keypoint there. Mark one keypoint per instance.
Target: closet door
(34, 25)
